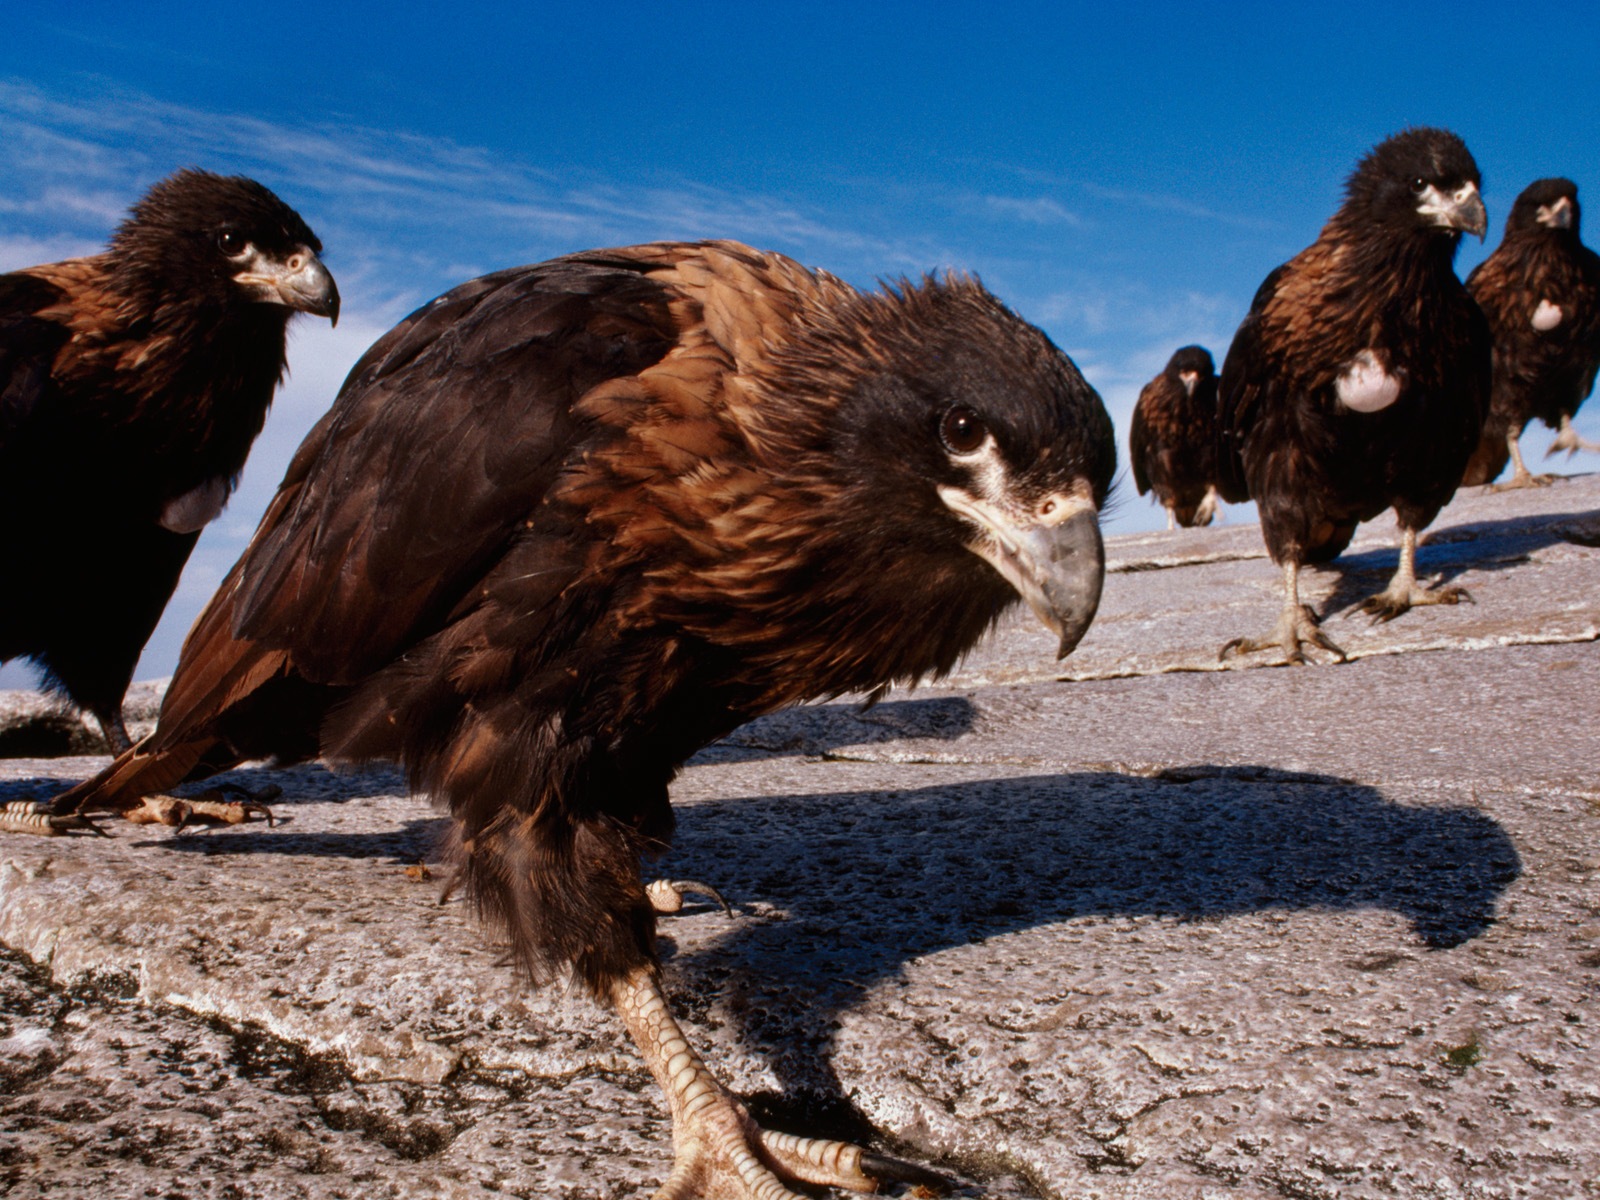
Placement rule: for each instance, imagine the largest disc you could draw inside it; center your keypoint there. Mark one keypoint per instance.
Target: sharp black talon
(895, 1170)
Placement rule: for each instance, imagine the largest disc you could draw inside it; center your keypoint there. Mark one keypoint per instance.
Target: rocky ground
(1129, 926)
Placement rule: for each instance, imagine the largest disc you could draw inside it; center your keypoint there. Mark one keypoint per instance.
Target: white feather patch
(1365, 386)
(196, 508)
(1547, 316)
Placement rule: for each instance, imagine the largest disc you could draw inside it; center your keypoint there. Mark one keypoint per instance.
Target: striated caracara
(570, 522)
(1173, 443)
(1359, 379)
(1540, 290)
(132, 384)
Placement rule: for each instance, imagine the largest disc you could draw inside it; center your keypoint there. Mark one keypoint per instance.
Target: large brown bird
(1173, 443)
(1540, 290)
(132, 384)
(1359, 379)
(570, 522)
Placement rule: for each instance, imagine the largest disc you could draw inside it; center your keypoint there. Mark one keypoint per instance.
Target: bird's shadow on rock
(1445, 554)
(870, 881)
(818, 729)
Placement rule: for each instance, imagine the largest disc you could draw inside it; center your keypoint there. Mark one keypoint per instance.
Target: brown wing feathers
(570, 522)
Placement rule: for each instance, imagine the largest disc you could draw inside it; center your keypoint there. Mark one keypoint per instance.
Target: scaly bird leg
(114, 731)
(1521, 477)
(1569, 440)
(1172, 520)
(1207, 508)
(37, 816)
(720, 1153)
(1297, 626)
(1403, 593)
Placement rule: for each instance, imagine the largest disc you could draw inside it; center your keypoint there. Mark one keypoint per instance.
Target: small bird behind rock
(1173, 444)
(132, 384)
(571, 522)
(1540, 290)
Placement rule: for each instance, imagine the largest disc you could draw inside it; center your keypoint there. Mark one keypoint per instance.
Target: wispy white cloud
(1038, 210)
(1160, 202)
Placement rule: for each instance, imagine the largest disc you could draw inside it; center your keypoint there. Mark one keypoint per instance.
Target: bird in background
(1359, 380)
(1540, 290)
(132, 384)
(647, 494)
(1173, 442)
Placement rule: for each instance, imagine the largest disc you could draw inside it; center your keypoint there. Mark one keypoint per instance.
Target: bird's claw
(207, 810)
(1524, 480)
(666, 895)
(1295, 628)
(1386, 606)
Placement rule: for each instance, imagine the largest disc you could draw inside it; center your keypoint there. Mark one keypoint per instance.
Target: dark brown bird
(132, 384)
(570, 522)
(1173, 443)
(1540, 290)
(1360, 378)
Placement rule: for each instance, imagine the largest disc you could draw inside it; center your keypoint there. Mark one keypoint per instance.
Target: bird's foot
(1522, 479)
(666, 895)
(38, 817)
(1206, 510)
(1390, 603)
(720, 1151)
(209, 809)
(1296, 627)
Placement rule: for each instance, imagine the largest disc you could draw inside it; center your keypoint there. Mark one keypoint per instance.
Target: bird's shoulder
(588, 384)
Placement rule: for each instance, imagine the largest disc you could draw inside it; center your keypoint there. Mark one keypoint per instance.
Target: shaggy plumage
(1540, 290)
(1173, 443)
(570, 522)
(132, 384)
(1360, 378)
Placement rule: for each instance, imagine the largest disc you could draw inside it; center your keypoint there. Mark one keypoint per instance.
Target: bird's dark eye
(962, 430)
(1419, 185)
(231, 242)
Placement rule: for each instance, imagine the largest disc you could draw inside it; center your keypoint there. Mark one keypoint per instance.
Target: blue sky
(1123, 177)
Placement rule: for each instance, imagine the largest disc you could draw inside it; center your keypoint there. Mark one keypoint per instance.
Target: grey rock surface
(1124, 927)
(42, 725)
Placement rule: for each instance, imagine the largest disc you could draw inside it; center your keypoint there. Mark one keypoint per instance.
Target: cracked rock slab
(1163, 932)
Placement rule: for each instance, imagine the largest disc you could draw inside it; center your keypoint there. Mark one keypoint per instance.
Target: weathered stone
(1171, 932)
(41, 725)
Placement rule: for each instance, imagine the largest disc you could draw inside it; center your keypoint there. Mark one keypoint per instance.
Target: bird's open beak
(300, 281)
(1461, 209)
(1053, 557)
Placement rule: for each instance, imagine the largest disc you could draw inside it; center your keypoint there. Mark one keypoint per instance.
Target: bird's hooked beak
(1461, 209)
(1052, 556)
(1557, 215)
(1189, 379)
(299, 281)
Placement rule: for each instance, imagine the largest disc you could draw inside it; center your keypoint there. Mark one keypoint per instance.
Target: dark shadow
(415, 841)
(817, 729)
(870, 881)
(1445, 554)
(303, 783)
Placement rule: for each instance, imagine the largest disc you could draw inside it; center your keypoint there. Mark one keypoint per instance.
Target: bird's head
(1546, 204)
(972, 448)
(224, 239)
(1420, 180)
(1191, 366)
